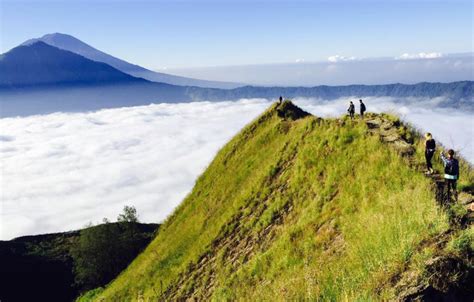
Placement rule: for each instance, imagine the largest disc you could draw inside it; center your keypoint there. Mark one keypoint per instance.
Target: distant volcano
(42, 64)
(72, 44)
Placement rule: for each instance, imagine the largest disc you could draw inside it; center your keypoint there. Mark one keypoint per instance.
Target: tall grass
(357, 214)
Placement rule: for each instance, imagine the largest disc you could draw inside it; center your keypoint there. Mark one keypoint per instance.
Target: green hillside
(299, 207)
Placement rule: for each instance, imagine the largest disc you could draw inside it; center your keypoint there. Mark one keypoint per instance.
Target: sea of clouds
(61, 171)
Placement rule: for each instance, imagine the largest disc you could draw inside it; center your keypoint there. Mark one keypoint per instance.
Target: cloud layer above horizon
(342, 70)
(63, 170)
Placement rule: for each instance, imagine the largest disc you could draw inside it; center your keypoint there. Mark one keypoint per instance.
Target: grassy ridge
(290, 209)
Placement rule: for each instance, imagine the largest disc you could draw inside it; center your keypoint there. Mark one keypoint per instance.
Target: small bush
(129, 215)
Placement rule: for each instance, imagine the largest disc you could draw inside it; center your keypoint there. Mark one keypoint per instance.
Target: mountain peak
(57, 39)
(288, 110)
(39, 63)
(57, 34)
(73, 44)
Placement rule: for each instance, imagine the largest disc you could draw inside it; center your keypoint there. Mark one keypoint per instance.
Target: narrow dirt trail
(391, 133)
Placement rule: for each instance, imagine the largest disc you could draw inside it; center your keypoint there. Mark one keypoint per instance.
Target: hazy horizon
(405, 69)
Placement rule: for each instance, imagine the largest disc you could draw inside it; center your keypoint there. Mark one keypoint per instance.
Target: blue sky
(178, 34)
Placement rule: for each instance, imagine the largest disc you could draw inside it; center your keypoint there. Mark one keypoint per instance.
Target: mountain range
(41, 76)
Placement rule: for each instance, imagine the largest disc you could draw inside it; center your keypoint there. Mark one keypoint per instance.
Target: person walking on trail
(430, 148)
(351, 110)
(451, 172)
(280, 100)
(362, 109)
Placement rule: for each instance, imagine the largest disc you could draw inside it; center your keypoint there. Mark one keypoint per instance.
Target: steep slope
(298, 207)
(72, 44)
(42, 64)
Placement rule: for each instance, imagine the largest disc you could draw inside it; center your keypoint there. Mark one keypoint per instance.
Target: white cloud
(338, 58)
(421, 55)
(60, 171)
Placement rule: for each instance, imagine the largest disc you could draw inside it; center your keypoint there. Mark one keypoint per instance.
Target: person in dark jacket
(362, 109)
(280, 99)
(451, 172)
(430, 148)
(351, 110)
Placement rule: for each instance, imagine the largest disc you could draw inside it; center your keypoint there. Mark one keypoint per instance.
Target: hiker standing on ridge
(430, 148)
(362, 109)
(280, 99)
(351, 110)
(451, 172)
